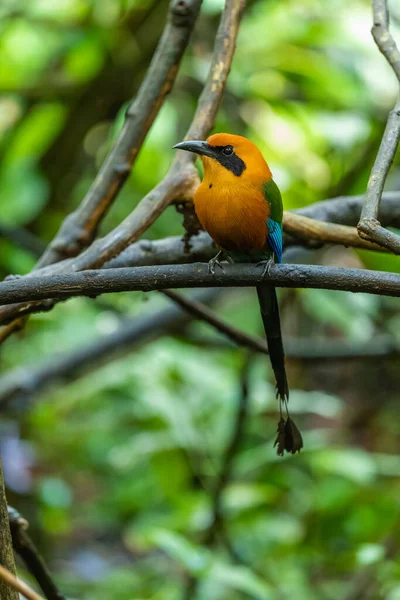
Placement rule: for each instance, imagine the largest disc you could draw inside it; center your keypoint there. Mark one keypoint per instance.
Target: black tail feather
(272, 325)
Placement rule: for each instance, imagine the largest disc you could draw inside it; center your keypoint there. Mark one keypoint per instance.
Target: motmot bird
(240, 206)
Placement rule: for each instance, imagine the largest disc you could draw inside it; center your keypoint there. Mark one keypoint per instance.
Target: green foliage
(125, 459)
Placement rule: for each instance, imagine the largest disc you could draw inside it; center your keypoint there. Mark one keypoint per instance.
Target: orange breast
(234, 216)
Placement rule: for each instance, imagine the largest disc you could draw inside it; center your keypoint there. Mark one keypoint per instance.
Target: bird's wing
(275, 238)
(274, 223)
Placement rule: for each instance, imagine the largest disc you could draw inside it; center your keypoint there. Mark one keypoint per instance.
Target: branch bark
(174, 250)
(369, 227)
(146, 279)
(15, 585)
(6, 550)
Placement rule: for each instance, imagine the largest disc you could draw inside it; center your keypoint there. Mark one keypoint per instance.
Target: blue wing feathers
(275, 238)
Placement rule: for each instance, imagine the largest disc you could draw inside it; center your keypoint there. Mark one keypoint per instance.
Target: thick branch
(79, 228)
(6, 550)
(22, 383)
(173, 250)
(146, 279)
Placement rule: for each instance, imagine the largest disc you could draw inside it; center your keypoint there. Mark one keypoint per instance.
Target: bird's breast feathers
(235, 217)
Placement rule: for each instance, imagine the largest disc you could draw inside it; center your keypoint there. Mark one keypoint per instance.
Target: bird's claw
(267, 264)
(212, 264)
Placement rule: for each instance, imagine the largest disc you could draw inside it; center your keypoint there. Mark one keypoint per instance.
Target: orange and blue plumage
(240, 206)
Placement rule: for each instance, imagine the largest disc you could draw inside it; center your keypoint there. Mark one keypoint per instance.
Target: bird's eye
(227, 150)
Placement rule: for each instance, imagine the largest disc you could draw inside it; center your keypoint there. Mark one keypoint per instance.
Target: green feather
(274, 199)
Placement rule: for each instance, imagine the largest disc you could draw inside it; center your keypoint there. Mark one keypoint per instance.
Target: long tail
(272, 326)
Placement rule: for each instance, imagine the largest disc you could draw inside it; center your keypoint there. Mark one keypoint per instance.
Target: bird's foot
(214, 262)
(267, 264)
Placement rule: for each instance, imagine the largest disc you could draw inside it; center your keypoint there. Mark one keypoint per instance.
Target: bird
(240, 206)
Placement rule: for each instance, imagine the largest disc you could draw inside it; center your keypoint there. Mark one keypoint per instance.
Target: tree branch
(22, 383)
(78, 229)
(12, 583)
(203, 313)
(346, 209)
(369, 227)
(174, 250)
(146, 279)
(382, 36)
(6, 551)
(24, 546)
(306, 229)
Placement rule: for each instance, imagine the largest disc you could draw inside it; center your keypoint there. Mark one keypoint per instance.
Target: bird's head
(229, 157)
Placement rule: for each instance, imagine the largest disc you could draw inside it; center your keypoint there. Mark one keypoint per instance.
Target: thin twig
(24, 546)
(78, 229)
(369, 226)
(18, 585)
(382, 36)
(199, 311)
(146, 279)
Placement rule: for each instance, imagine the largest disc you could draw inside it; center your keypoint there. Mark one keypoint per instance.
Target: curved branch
(182, 178)
(369, 227)
(79, 228)
(382, 36)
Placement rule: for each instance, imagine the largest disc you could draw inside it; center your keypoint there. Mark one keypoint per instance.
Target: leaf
(242, 579)
(195, 559)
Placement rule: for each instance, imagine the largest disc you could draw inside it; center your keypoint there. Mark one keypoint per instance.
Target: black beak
(197, 147)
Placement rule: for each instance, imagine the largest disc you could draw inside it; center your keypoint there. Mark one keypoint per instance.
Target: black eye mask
(225, 155)
(231, 161)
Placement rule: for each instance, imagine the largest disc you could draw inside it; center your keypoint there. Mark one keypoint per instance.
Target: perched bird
(240, 206)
